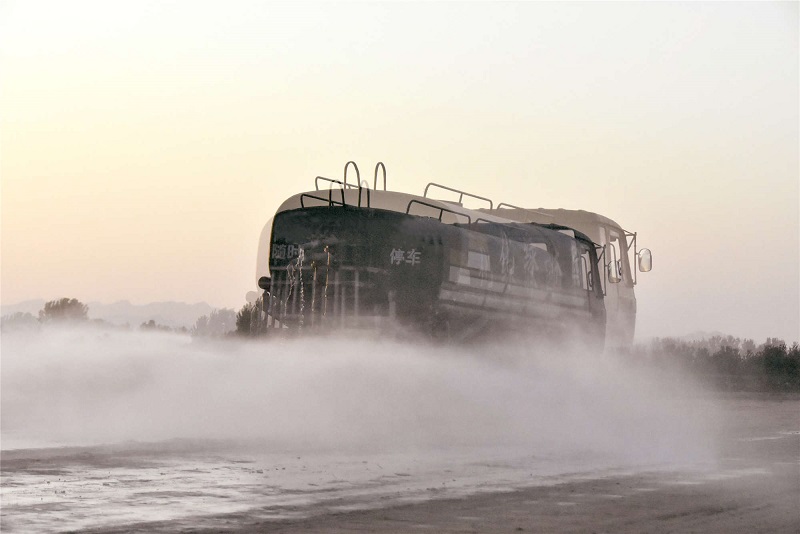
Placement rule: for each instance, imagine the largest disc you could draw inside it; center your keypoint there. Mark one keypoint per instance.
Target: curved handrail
(331, 180)
(375, 184)
(440, 208)
(342, 186)
(358, 174)
(460, 192)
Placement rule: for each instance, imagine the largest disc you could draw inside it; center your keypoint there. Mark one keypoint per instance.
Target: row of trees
(65, 310)
(218, 323)
(249, 321)
(727, 362)
(723, 362)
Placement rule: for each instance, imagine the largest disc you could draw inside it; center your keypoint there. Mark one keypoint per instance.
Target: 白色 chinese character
(278, 251)
(396, 256)
(413, 256)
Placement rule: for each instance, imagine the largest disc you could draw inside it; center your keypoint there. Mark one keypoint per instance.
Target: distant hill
(172, 314)
(27, 306)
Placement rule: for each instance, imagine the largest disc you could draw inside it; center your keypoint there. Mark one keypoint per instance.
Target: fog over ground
(87, 386)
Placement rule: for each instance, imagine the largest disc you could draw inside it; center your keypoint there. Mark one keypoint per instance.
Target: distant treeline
(218, 323)
(724, 362)
(728, 363)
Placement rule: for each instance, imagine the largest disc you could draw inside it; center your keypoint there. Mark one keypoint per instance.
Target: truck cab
(616, 248)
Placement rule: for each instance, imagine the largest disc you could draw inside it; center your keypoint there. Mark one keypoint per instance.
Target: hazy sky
(145, 144)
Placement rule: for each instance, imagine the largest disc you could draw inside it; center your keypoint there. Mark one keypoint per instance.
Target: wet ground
(751, 484)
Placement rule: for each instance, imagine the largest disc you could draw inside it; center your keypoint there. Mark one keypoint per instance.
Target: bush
(154, 326)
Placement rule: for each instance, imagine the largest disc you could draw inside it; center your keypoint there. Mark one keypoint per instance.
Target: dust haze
(83, 386)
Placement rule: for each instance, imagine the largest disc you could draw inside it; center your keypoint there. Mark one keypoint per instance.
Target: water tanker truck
(347, 256)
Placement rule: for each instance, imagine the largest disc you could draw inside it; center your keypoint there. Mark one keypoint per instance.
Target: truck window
(618, 254)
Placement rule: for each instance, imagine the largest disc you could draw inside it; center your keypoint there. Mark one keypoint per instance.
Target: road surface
(752, 484)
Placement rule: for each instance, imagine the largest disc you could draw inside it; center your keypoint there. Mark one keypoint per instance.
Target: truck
(346, 256)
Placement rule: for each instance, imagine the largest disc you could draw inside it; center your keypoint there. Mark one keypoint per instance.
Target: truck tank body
(445, 272)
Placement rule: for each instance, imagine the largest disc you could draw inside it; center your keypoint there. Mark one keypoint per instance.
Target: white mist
(87, 386)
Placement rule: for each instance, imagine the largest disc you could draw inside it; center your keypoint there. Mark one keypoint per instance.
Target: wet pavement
(213, 484)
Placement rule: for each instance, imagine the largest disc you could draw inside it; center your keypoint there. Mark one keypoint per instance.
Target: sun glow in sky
(145, 144)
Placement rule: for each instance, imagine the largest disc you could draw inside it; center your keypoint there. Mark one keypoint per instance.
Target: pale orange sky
(145, 144)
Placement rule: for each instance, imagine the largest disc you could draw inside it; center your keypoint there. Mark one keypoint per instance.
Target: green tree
(250, 320)
(218, 323)
(65, 309)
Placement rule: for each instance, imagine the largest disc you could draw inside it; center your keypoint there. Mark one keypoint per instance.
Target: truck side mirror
(645, 259)
(265, 282)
